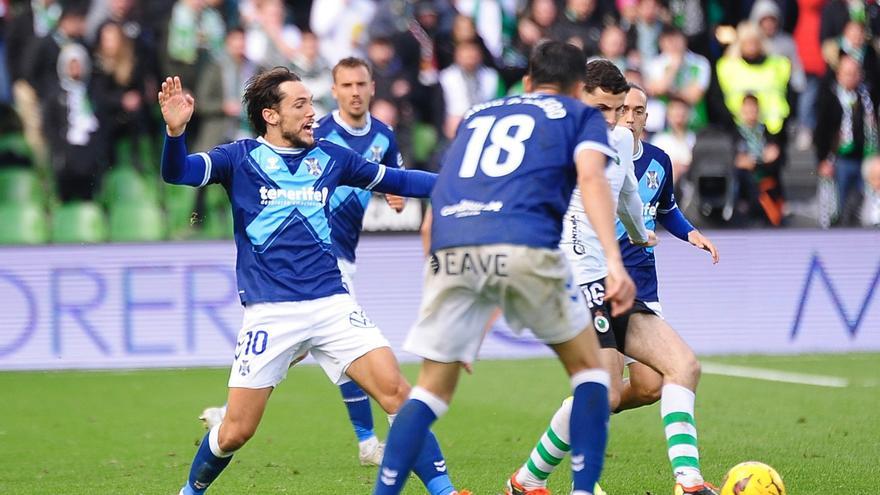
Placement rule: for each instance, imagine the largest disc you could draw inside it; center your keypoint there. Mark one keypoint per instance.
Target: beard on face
(296, 141)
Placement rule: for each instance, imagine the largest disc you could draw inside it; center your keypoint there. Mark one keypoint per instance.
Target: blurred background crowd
(767, 108)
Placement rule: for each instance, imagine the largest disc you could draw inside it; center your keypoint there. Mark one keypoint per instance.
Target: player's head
(279, 106)
(353, 86)
(635, 110)
(556, 66)
(605, 89)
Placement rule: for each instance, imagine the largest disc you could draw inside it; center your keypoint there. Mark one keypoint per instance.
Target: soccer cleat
(213, 416)
(513, 487)
(704, 489)
(463, 492)
(370, 452)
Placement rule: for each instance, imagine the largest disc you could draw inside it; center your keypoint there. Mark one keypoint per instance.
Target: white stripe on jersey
(379, 176)
(208, 165)
(579, 241)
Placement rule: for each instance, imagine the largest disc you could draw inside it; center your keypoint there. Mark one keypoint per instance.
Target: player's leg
(540, 294)
(356, 401)
(653, 342)
(352, 347)
(410, 441)
(642, 388)
(554, 443)
(244, 410)
(588, 428)
(266, 346)
(448, 333)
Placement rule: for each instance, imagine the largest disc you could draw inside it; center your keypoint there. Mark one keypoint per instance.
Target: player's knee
(613, 399)
(647, 393)
(233, 436)
(392, 394)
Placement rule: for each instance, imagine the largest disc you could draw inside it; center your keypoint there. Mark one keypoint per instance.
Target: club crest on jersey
(272, 164)
(375, 154)
(313, 166)
(653, 180)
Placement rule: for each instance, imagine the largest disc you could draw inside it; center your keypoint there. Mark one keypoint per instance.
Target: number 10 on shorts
(252, 343)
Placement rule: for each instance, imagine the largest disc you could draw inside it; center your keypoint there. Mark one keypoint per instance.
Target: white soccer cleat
(370, 452)
(213, 416)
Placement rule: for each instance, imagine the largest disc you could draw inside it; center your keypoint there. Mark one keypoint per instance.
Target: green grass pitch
(135, 432)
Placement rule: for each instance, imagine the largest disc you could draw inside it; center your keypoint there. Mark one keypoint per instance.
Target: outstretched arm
(374, 177)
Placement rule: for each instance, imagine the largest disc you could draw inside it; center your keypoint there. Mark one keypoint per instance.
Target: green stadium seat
(79, 222)
(125, 184)
(180, 203)
(20, 185)
(23, 223)
(134, 221)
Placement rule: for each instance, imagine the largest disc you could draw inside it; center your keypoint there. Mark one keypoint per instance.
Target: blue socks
(208, 463)
(359, 411)
(411, 446)
(589, 428)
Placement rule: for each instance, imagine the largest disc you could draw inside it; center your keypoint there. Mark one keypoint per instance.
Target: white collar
(281, 149)
(639, 150)
(354, 131)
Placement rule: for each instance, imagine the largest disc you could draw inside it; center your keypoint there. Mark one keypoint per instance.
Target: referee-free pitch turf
(135, 432)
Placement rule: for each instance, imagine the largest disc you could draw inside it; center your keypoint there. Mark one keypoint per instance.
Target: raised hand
(177, 106)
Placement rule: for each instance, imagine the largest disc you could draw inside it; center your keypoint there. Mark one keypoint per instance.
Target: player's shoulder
(333, 149)
(381, 126)
(651, 151)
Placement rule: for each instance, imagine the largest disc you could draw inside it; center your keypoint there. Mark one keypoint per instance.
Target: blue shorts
(645, 278)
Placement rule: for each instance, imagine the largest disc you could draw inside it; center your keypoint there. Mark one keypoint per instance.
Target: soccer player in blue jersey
(351, 126)
(505, 184)
(666, 365)
(280, 186)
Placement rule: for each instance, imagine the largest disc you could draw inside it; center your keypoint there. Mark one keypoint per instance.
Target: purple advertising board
(176, 304)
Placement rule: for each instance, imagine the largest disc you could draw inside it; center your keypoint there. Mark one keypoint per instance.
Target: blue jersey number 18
(488, 158)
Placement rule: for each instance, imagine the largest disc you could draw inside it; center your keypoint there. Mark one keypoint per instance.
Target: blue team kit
(376, 143)
(493, 188)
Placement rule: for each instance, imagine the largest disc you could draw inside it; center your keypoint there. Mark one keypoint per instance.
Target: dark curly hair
(263, 90)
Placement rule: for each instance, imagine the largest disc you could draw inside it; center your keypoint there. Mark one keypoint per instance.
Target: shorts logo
(435, 264)
(359, 319)
(601, 324)
(244, 368)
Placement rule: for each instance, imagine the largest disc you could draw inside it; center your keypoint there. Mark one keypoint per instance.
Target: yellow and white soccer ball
(752, 478)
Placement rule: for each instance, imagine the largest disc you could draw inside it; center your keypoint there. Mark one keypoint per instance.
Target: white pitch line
(774, 375)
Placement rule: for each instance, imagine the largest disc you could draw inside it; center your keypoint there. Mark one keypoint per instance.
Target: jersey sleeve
(198, 169)
(630, 207)
(363, 174)
(668, 213)
(592, 134)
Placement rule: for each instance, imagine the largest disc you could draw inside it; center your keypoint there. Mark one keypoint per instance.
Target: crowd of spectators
(768, 79)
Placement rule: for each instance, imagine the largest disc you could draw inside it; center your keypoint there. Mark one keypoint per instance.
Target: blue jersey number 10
(488, 157)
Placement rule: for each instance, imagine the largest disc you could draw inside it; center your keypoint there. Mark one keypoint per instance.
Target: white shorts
(463, 286)
(656, 308)
(347, 269)
(334, 329)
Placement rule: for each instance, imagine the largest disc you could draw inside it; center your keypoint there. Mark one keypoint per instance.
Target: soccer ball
(752, 478)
